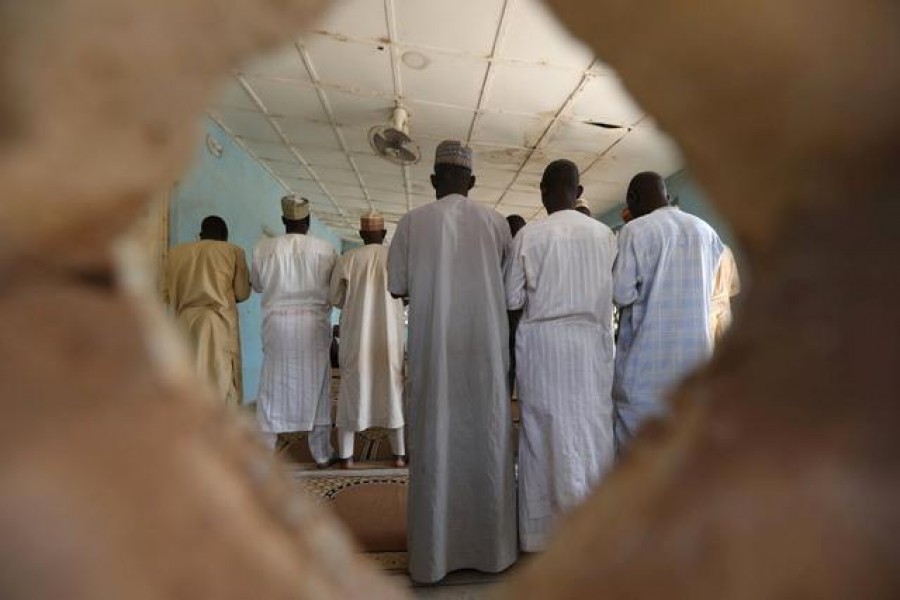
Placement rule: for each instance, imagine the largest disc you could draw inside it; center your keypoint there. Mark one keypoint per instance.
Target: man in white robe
(447, 257)
(663, 282)
(293, 274)
(371, 348)
(560, 275)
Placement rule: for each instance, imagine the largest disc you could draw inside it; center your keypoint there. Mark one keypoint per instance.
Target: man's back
(448, 258)
(566, 261)
(560, 271)
(466, 240)
(206, 274)
(364, 271)
(663, 280)
(293, 270)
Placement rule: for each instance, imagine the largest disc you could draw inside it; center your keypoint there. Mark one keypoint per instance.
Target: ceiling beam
(326, 106)
(499, 36)
(545, 136)
(390, 18)
(284, 139)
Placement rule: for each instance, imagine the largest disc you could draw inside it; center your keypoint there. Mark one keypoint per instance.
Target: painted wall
(238, 189)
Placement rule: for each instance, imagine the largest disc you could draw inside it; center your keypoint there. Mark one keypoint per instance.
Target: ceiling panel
(447, 79)
(305, 187)
(577, 137)
(390, 209)
(232, 95)
(531, 89)
(288, 98)
(304, 134)
(605, 100)
(355, 19)
(536, 35)
(358, 110)
(489, 195)
(509, 130)
(283, 64)
(393, 198)
(346, 188)
(247, 125)
(293, 170)
(444, 51)
(357, 139)
(389, 183)
(438, 121)
(495, 178)
(530, 199)
(372, 163)
(271, 152)
(328, 159)
(351, 202)
(350, 65)
(543, 157)
(646, 148)
(468, 26)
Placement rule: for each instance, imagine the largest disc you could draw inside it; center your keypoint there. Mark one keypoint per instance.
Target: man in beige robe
(371, 349)
(726, 285)
(204, 281)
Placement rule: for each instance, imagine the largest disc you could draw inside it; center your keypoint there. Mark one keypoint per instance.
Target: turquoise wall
(238, 189)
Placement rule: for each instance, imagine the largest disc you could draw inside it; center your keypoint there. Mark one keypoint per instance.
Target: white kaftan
(448, 258)
(293, 274)
(371, 349)
(560, 273)
(663, 281)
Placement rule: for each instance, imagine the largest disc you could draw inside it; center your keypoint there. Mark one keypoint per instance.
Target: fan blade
(407, 155)
(396, 137)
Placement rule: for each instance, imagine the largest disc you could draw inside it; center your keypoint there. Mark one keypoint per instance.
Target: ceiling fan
(392, 141)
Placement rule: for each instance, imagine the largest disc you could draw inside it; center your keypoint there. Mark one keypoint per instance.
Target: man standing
(516, 223)
(726, 285)
(560, 273)
(663, 281)
(293, 274)
(447, 257)
(204, 282)
(583, 207)
(371, 349)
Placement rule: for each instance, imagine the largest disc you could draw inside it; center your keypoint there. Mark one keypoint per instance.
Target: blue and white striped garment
(663, 281)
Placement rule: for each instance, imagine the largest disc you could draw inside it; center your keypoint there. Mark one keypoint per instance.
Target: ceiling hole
(603, 125)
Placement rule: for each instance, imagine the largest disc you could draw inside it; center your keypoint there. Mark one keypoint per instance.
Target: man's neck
(441, 196)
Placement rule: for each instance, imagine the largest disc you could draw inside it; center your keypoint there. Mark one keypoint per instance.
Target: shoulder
(265, 245)
(322, 247)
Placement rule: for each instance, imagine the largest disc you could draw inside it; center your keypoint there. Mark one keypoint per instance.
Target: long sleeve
(398, 261)
(514, 276)
(338, 290)
(626, 275)
(241, 281)
(255, 279)
(331, 266)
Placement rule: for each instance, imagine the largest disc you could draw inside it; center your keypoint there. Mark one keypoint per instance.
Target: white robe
(371, 349)
(663, 280)
(560, 273)
(293, 274)
(448, 257)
